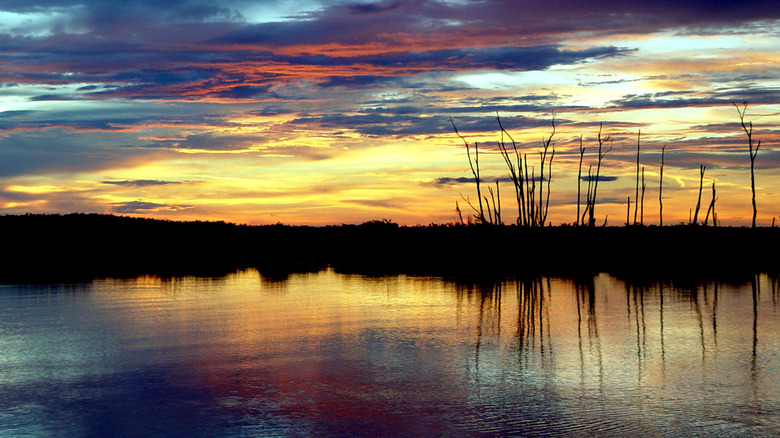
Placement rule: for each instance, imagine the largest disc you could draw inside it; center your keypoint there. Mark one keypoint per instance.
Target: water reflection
(328, 354)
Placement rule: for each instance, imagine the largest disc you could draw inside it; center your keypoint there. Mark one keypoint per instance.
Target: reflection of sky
(337, 112)
(334, 355)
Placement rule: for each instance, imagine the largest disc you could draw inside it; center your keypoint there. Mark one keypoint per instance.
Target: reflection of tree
(661, 320)
(715, 315)
(489, 315)
(489, 321)
(696, 292)
(586, 303)
(755, 289)
(529, 302)
(700, 318)
(533, 319)
(636, 294)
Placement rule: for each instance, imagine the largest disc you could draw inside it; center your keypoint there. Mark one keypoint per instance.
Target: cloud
(271, 110)
(55, 152)
(304, 152)
(604, 178)
(393, 22)
(144, 207)
(373, 8)
(412, 62)
(358, 81)
(244, 92)
(380, 203)
(108, 118)
(450, 181)
(694, 98)
(210, 141)
(398, 110)
(374, 124)
(140, 182)
(223, 56)
(409, 121)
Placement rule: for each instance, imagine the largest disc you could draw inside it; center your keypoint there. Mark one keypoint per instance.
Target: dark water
(333, 355)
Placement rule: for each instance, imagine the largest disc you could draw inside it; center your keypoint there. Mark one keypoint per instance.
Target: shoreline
(52, 248)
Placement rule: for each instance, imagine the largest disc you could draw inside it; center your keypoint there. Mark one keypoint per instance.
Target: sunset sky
(330, 112)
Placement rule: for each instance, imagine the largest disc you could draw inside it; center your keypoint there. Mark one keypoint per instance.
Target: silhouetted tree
(543, 154)
(698, 203)
(474, 165)
(642, 199)
(529, 212)
(711, 208)
(636, 190)
(628, 210)
(515, 171)
(589, 195)
(602, 152)
(579, 180)
(753, 150)
(661, 190)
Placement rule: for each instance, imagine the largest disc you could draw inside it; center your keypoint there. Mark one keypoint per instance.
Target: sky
(329, 112)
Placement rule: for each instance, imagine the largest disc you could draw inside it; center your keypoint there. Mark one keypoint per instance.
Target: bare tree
(698, 203)
(579, 180)
(711, 208)
(661, 190)
(515, 171)
(601, 154)
(474, 164)
(589, 196)
(529, 212)
(628, 210)
(642, 200)
(543, 154)
(495, 218)
(530, 193)
(753, 149)
(636, 190)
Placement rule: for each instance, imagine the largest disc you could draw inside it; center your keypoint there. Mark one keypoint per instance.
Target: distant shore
(75, 247)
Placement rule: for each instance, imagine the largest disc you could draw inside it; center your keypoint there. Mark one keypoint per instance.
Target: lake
(330, 354)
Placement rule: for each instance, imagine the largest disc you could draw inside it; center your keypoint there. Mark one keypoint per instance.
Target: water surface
(327, 354)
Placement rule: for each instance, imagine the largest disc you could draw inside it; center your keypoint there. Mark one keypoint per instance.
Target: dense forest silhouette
(84, 246)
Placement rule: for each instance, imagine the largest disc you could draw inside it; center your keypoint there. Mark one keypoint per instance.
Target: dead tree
(515, 171)
(530, 193)
(636, 190)
(711, 208)
(579, 180)
(628, 210)
(661, 191)
(543, 154)
(642, 200)
(495, 218)
(753, 150)
(589, 196)
(474, 164)
(549, 180)
(601, 153)
(529, 212)
(698, 203)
